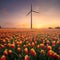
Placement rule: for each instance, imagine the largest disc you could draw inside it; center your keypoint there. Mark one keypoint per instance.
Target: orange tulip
(10, 51)
(26, 50)
(29, 44)
(53, 43)
(5, 52)
(18, 49)
(3, 57)
(12, 45)
(33, 44)
(2, 46)
(26, 57)
(20, 42)
(33, 52)
(49, 47)
(42, 51)
(38, 46)
(42, 45)
(50, 53)
(58, 42)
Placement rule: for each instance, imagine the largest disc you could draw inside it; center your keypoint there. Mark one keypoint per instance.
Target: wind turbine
(31, 11)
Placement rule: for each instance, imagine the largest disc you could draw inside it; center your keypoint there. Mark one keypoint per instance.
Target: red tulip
(53, 43)
(18, 49)
(42, 52)
(5, 52)
(26, 50)
(29, 44)
(24, 46)
(3, 57)
(49, 47)
(58, 42)
(2, 46)
(10, 51)
(13, 45)
(38, 46)
(33, 52)
(33, 44)
(42, 45)
(50, 53)
(26, 57)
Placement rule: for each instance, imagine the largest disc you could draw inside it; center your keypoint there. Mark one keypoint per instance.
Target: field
(27, 44)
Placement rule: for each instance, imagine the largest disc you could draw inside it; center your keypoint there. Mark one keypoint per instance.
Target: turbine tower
(31, 11)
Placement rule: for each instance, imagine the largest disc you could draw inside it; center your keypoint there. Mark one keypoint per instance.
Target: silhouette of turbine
(31, 14)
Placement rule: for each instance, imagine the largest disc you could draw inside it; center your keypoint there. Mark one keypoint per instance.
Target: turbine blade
(35, 11)
(28, 13)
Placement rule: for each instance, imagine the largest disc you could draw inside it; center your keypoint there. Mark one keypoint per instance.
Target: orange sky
(14, 14)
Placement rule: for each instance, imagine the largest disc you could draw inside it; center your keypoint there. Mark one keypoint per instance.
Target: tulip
(5, 52)
(55, 55)
(10, 51)
(3, 57)
(33, 44)
(53, 43)
(42, 52)
(42, 45)
(29, 44)
(26, 50)
(49, 47)
(13, 45)
(18, 49)
(24, 46)
(58, 42)
(26, 57)
(33, 52)
(20, 42)
(50, 53)
(2, 46)
(38, 46)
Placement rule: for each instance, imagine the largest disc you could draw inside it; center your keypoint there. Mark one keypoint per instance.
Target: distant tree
(57, 27)
(50, 28)
(0, 27)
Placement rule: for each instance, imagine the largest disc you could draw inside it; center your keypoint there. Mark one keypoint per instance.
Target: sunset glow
(13, 13)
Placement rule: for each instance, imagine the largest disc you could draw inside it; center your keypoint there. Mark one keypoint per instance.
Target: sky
(13, 13)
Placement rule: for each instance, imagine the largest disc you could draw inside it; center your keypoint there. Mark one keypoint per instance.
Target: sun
(37, 26)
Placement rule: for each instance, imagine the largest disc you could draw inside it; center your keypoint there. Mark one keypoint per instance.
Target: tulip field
(29, 44)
